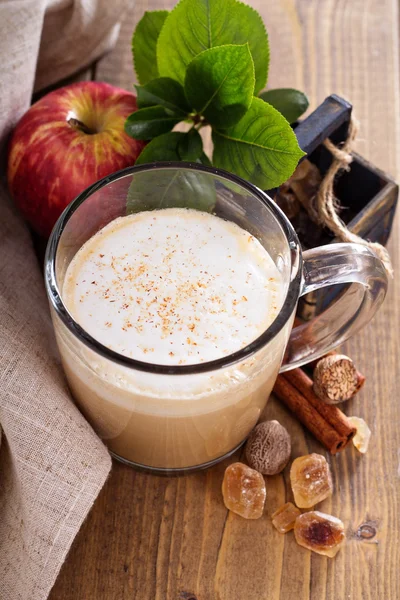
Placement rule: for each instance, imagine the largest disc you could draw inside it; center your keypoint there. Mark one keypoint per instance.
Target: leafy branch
(204, 63)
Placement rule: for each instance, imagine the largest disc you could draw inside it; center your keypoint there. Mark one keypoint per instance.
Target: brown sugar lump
(285, 517)
(319, 532)
(244, 491)
(311, 480)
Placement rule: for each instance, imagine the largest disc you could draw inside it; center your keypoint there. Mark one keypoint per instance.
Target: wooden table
(150, 538)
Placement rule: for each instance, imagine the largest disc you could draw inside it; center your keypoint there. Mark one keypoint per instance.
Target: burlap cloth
(52, 465)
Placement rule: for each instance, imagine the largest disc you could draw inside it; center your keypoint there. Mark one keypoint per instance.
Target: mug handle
(330, 265)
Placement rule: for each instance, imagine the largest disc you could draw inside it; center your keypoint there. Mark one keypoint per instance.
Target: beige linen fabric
(52, 465)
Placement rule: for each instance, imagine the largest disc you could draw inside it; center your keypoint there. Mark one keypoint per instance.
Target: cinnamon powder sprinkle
(174, 289)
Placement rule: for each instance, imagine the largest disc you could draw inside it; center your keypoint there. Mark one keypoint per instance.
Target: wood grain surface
(151, 538)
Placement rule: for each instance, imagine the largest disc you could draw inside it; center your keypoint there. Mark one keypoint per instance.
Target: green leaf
(144, 44)
(171, 188)
(147, 123)
(290, 103)
(190, 147)
(261, 148)
(196, 25)
(162, 149)
(219, 84)
(163, 91)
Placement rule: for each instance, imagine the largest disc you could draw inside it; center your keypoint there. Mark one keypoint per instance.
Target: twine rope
(327, 206)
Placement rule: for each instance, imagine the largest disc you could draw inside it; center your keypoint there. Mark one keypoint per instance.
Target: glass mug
(179, 418)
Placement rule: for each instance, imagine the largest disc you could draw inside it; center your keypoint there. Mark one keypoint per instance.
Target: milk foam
(173, 286)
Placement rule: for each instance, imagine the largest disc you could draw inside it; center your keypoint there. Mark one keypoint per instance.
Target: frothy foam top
(173, 286)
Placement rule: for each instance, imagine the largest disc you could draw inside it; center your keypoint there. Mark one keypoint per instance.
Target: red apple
(65, 142)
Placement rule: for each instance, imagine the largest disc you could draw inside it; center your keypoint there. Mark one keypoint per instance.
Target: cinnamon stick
(325, 421)
(309, 416)
(329, 412)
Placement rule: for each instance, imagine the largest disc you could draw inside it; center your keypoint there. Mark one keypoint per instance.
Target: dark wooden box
(367, 194)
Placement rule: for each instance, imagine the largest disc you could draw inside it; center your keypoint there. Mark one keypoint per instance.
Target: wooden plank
(170, 539)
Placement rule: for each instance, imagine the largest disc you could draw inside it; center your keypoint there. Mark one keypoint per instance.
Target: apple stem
(81, 126)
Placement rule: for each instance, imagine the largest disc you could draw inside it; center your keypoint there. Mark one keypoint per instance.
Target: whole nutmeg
(336, 379)
(268, 448)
